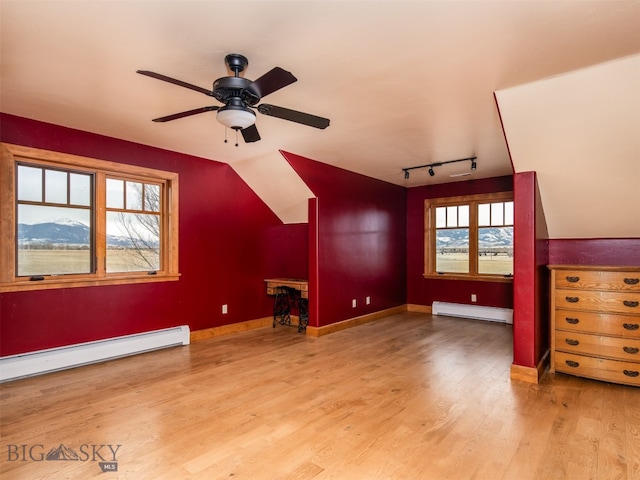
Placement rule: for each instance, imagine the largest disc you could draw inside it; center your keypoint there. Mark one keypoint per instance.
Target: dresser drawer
(614, 281)
(598, 368)
(618, 302)
(627, 349)
(592, 322)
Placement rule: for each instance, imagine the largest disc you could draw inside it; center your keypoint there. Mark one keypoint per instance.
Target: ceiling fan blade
(250, 134)
(293, 116)
(273, 80)
(180, 83)
(185, 114)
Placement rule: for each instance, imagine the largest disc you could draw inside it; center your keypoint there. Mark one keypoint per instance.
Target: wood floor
(409, 397)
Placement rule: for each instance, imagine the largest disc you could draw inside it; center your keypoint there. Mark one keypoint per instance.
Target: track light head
(406, 174)
(473, 165)
(431, 172)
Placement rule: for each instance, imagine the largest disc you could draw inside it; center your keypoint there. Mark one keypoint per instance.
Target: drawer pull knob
(632, 281)
(572, 321)
(631, 373)
(632, 350)
(572, 364)
(570, 341)
(630, 326)
(630, 303)
(572, 299)
(573, 279)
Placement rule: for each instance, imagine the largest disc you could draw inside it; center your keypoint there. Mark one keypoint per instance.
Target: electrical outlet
(474, 298)
(224, 309)
(367, 300)
(354, 303)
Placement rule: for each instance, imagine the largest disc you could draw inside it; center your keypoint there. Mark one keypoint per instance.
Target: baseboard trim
(531, 374)
(354, 322)
(412, 307)
(206, 333)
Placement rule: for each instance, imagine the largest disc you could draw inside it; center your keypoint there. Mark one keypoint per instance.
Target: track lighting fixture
(439, 164)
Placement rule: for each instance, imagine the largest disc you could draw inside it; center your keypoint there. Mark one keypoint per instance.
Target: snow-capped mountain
(487, 237)
(63, 232)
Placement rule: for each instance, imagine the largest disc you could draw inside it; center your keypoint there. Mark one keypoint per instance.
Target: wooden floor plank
(411, 396)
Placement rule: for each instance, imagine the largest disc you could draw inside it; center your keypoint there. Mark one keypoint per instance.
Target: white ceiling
(404, 83)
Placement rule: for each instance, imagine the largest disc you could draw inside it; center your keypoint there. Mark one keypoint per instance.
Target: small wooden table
(289, 293)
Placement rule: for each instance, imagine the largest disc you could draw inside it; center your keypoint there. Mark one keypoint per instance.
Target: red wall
(595, 251)
(358, 242)
(531, 276)
(229, 242)
(424, 291)
(287, 248)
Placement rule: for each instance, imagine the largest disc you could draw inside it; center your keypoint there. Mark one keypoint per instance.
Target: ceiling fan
(241, 96)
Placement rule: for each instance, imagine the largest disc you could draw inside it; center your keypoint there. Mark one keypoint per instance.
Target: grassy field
(51, 262)
(458, 263)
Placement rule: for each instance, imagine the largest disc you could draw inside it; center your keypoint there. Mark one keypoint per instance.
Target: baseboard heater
(44, 361)
(478, 312)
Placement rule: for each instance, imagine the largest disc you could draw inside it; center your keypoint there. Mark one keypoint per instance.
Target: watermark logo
(105, 455)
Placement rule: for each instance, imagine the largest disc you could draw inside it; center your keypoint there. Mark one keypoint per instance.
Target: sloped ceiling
(404, 83)
(581, 133)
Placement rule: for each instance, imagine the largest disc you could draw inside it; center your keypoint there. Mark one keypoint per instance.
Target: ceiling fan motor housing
(226, 88)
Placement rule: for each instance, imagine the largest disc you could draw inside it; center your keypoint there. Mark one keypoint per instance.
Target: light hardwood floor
(409, 397)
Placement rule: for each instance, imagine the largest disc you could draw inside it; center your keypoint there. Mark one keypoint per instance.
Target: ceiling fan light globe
(237, 118)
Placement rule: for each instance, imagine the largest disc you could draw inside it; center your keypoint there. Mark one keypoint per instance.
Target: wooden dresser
(595, 322)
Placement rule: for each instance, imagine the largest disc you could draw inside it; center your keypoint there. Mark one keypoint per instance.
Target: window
(133, 226)
(54, 221)
(470, 237)
(73, 221)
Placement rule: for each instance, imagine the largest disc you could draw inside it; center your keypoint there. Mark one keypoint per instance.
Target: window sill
(473, 278)
(54, 282)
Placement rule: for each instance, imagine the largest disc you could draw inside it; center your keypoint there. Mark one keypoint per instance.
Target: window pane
(55, 186)
(441, 217)
(53, 240)
(80, 185)
(508, 213)
(495, 250)
(452, 250)
(29, 183)
(484, 216)
(452, 216)
(497, 213)
(463, 216)
(133, 242)
(115, 193)
(134, 196)
(151, 198)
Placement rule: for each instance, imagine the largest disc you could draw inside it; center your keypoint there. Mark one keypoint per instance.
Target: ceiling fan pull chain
(236, 136)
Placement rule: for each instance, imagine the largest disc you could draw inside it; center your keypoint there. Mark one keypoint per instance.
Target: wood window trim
(430, 234)
(12, 154)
